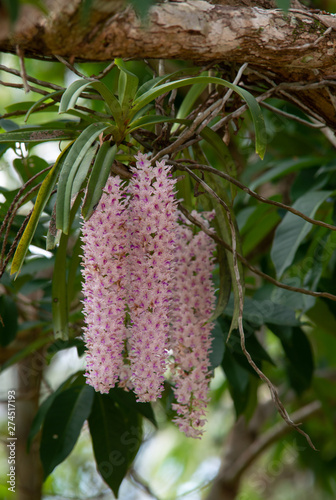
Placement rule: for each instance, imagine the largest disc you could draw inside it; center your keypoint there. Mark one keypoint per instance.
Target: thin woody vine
(148, 254)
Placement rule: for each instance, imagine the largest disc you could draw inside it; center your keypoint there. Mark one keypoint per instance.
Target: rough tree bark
(293, 52)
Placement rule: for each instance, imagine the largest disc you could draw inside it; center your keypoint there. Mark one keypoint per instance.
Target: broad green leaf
(60, 305)
(41, 201)
(98, 178)
(29, 166)
(72, 93)
(299, 356)
(69, 170)
(253, 346)
(127, 85)
(75, 379)
(8, 125)
(259, 225)
(259, 312)
(127, 400)
(253, 105)
(63, 423)
(225, 281)
(8, 320)
(40, 101)
(217, 346)
(293, 229)
(285, 167)
(116, 437)
(238, 381)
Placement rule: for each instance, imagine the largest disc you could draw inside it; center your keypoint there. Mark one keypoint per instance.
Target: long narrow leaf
(154, 82)
(151, 120)
(41, 201)
(127, 85)
(253, 105)
(225, 160)
(188, 102)
(72, 93)
(225, 280)
(69, 170)
(40, 101)
(83, 170)
(60, 309)
(224, 230)
(39, 134)
(98, 178)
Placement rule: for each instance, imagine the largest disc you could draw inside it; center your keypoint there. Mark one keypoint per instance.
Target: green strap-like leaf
(40, 101)
(225, 281)
(60, 306)
(39, 134)
(154, 82)
(98, 178)
(72, 93)
(224, 230)
(253, 105)
(225, 161)
(41, 201)
(127, 85)
(188, 102)
(151, 120)
(83, 170)
(74, 266)
(76, 155)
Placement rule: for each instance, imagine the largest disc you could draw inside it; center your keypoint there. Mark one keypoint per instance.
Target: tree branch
(296, 46)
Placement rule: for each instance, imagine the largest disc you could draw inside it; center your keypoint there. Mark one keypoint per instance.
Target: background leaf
(63, 423)
(8, 320)
(116, 437)
(292, 230)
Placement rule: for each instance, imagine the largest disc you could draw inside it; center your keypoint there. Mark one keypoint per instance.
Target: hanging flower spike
(193, 304)
(152, 226)
(104, 256)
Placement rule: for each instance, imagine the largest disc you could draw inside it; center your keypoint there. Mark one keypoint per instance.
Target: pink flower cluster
(192, 306)
(148, 294)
